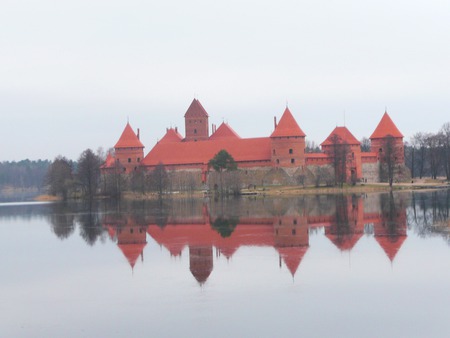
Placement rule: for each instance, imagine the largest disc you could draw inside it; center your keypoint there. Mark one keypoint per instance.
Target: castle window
(279, 222)
(292, 161)
(139, 159)
(274, 152)
(124, 169)
(293, 232)
(129, 160)
(131, 230)
(278, 161)
(195, 131)
(380, 150)
(295, 221)
(290, 151)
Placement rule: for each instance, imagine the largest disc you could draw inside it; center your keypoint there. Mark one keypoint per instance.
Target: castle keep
(280, 158)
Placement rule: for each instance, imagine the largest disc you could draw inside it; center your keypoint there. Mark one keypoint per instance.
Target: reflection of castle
(281, 157)
(286, 230)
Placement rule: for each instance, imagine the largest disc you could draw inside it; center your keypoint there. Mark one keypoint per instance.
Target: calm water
(315, 266)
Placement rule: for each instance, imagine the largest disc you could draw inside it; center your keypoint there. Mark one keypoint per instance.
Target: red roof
(344, 136)
(132, 251)
(391, 244)
(287, 126)
(386, 127)
(128, 139)
(345, 242)
(196, 110)
(224, 131)
(109, 162)
(292, 256)
(172, 135)
(200, 152)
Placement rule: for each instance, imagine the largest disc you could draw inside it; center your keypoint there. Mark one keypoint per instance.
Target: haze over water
(373, 265)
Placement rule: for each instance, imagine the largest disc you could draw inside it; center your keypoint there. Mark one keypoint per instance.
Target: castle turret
(288, 142)
(196, 122)
(387, 139)
(129, 150)
(345, 151)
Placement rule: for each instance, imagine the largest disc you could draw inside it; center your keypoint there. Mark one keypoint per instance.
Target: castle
(280, 158)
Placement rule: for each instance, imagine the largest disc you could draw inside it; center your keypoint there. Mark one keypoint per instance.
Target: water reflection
(210, 229)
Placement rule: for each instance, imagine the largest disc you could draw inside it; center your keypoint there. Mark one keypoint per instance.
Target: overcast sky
(72, 72)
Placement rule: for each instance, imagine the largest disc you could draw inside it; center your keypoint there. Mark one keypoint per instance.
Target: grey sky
(71, 72)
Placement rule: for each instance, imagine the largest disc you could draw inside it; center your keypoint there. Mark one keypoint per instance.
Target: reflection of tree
(90, 225)
(390, 214)
(162, 212)
(429, 214)
(62, 220)
(225, 226)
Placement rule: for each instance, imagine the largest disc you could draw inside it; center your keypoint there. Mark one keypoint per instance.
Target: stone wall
(370, 172)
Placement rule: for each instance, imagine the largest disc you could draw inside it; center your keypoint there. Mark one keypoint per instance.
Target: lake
(366, 265)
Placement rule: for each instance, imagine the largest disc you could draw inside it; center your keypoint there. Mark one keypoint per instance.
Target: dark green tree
(221, 162)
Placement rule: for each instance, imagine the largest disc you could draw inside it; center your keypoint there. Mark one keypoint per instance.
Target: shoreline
(285, 191)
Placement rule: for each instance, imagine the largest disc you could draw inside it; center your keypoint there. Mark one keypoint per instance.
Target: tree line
(23, 174)
(428, 154)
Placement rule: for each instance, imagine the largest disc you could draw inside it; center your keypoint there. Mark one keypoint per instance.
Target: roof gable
(109, 162)
(343, 136)
(128, 139)
(224, 131)
(386, 127)
(196, 110)
(287, 126)
(172, 135)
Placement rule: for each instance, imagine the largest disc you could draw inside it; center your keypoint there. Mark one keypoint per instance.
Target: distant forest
(23, 174)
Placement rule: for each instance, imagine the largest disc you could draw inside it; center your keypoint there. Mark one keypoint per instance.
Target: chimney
(138, 134)
(275, 122)
(176, 129)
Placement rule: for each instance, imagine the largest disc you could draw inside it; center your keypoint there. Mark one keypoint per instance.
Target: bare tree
(445, 132)
(340, 151)
(89, 172)
(365, 145)
(434, 145)
(389, 160)
(159, 179)
(420, 154)
(114, 180)
(59, 178)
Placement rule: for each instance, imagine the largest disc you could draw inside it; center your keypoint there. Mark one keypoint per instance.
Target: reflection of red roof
(172, 135)
(386, 127)
(132, 251)
(128, 139)
(109, 162)
(224, 131)
(292, 256)
(242, 150)
(287, 126)
(343, 135)
(176, 237)
(391, 244)
(344, 242)
(196, 110)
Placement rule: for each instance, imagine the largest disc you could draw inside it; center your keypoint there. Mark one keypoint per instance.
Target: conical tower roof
(386, 127)
(287, 126)
(196, 110)
(128, 139)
